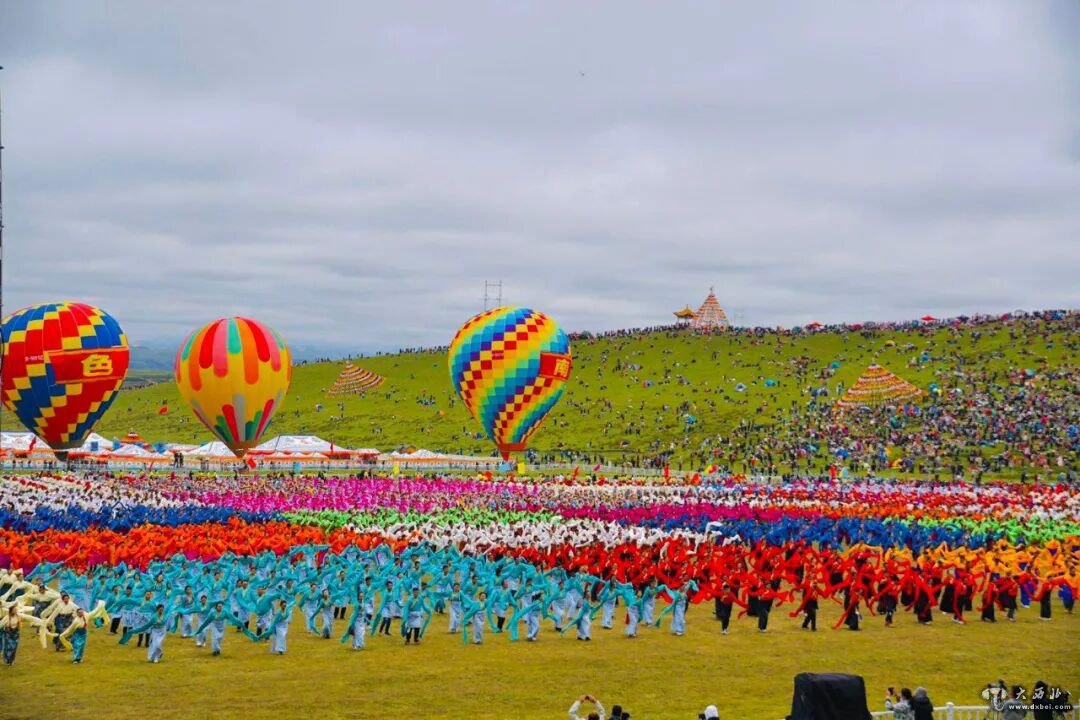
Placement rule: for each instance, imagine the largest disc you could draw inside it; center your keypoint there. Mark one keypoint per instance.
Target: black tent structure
(829, 696)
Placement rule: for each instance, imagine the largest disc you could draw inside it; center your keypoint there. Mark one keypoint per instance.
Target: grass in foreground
(748, 675)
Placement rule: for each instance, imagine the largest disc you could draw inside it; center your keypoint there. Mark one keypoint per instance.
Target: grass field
(658, 676)
(392, 415)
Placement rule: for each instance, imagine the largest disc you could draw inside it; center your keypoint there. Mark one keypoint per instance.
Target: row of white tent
(302, 449)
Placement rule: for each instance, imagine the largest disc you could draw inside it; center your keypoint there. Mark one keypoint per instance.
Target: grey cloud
(353, 172)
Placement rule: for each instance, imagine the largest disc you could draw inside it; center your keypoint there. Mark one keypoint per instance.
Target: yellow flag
(395, 469)
(521, 468)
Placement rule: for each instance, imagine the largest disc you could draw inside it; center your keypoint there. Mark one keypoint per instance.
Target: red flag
(33, 443)
(667, 472)
(574, 476)
(596, 468)
(251, 462)
(163, 410)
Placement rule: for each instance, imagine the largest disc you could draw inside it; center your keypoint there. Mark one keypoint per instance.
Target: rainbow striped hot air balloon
(234, 373)
(62, 365)
(509, 366)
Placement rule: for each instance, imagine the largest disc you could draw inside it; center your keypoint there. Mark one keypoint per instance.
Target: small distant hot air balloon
(62, 365)
(234, 373)
(509, 366)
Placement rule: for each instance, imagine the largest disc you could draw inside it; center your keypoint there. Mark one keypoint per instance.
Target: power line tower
(492, 291)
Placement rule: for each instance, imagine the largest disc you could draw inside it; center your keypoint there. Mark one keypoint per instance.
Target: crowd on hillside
(978, 417)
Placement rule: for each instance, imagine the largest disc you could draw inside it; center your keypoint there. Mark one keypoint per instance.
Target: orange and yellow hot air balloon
(234, 372)
(62, 365)
(509, 366)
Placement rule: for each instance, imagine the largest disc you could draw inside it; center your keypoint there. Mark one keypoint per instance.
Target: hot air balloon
(234, 373)
(62, 365)
(509, 366)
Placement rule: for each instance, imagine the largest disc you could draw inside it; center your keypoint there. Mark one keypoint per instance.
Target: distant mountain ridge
(151, 358)
(161, 355)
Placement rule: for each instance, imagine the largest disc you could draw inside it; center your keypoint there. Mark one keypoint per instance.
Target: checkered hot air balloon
(62, 365)
(234, 373)
(509, 366)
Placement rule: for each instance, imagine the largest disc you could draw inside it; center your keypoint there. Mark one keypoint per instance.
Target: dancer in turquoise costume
(417, 612)
(278, 628)
(677, 608)
(75, 633)
(583, 620)
(609, 598)
(456, 608)
(195, 618)
(157, 627)
(309, 605)
(142, 613)
(326, 608)
(389, 609)
(473, 619)
(633, 599)
(498, 605)
(358, 623)
(648, 602)
(215, 621)
(262, 606)
(184, 604)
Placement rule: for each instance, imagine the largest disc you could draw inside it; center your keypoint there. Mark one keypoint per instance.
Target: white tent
(103, 444)
(214, 449)
(20, 441)
(366, 452)
(296, 443)
(134, 452)
(184, 448)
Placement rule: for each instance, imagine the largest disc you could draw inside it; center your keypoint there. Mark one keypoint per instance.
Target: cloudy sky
(352, 172)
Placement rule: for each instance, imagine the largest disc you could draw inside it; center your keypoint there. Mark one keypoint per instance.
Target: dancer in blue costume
(278, 628)
(498, 605)
(327, 610)
(473, 619)
(633, 599)
(389, 609)
(75, 634)
(417, 611)
(457, 611)
(142, 614)
(261, 604)
(529, 608)
(609, 598)
(358, 623)
(679, 600)
(156, 627)
(195, 618)
(309, 605)
(648, 602)
(215, 621)
(184, 604)
(236, 602)
(583, 620)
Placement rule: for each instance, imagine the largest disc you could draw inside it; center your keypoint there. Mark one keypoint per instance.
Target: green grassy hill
(629, 396)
